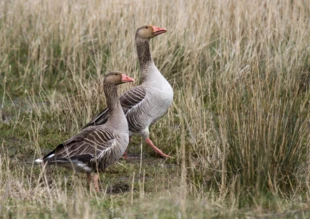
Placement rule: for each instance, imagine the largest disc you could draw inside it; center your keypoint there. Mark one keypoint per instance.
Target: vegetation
(239, 128)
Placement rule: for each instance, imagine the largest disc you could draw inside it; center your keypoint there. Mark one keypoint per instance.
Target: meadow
(238, 130)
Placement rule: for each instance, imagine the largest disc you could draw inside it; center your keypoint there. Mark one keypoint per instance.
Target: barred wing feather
(91, 144)
(129, 100)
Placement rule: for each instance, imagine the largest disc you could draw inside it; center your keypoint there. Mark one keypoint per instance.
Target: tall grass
(238, 128)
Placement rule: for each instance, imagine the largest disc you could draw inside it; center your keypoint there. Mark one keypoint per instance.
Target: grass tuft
(238, 128)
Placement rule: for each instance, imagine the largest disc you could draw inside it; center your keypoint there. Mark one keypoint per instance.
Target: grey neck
(116, 119)
(110, 91)
(144, 53)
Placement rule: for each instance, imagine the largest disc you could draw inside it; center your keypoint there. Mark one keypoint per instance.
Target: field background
(238, 131)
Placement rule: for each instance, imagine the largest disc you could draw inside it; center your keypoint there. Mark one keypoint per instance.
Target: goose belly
(155, 106)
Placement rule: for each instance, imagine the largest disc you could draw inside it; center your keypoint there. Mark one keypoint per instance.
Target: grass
(238, 129)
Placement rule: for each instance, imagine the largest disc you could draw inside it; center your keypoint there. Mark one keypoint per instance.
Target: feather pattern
(95, 147)
(130, 102)
(93, 142)
(145, 104)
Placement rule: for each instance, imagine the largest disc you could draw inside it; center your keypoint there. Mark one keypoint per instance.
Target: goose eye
(146, 27)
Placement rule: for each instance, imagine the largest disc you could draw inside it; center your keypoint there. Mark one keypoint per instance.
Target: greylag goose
(144, 104)
(96, 147)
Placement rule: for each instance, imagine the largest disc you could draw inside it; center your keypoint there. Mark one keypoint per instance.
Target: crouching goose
(144, 104)
(96, 147)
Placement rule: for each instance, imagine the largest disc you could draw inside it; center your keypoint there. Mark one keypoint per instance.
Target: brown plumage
(143, 105)
(96, 147)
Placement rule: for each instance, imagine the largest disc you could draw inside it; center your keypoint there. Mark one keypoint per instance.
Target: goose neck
(117, 118)
(144, 53)
(113, 104)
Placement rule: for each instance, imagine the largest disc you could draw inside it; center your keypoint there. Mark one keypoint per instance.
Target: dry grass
(238, 130)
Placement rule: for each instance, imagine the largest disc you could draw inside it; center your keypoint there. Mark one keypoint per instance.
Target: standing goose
(96, 147)
(144, 104)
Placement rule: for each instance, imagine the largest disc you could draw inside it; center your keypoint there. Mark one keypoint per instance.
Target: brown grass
(238, 128)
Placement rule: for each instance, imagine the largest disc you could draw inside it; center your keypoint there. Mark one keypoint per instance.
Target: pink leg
(157, 150)
(96, 179)
(125, 156)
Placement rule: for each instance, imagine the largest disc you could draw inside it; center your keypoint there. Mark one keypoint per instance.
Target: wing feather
(86, 146)
(129, 100)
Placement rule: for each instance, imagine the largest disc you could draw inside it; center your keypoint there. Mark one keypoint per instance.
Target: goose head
(117, 78)
(149, 31)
